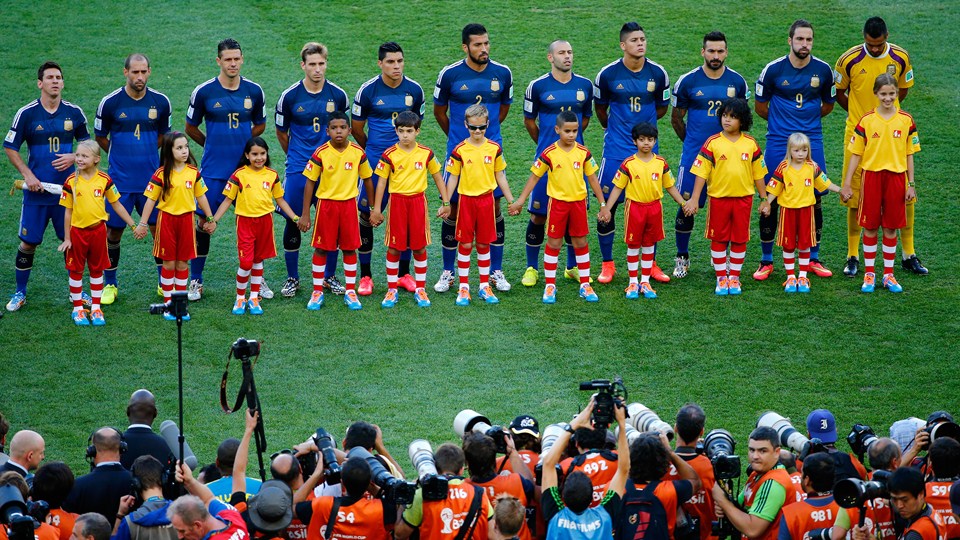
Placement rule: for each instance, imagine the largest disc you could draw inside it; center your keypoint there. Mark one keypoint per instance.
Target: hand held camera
(470, 421)
(432, 484)
(608, 395)
(394, 490)
(326, 444)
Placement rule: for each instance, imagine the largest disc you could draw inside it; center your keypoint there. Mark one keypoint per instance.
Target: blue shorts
(776, 151)
(214, 194)
(129, 201)
(608, 169)
(293, 186)
(686, 181)
(34, 219)
(455, 196)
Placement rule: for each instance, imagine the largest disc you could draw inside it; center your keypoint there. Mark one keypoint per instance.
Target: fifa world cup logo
(446, 516)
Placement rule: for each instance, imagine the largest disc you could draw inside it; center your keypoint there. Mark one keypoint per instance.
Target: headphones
(92, 449)
(136, 486)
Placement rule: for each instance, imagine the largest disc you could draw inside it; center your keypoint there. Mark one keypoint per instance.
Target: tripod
(244, 350)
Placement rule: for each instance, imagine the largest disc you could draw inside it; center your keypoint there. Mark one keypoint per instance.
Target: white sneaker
(265, 291)
(445, 281)
(194, 290)
(681, 266)
(500, 281)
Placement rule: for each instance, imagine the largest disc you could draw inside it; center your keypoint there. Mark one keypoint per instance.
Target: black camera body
(15, 514)
(177, 306)
(499, 436)
(394, 490)
(854, 493)
(244, 348)
(609, 396)
(719, 447)
(326, 444)
(434, 487)
(861, 438)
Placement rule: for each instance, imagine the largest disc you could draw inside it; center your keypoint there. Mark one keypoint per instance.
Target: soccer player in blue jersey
(233, 108)
(375, 106)
(793, 93)
(627, 91)
(303, 111)
(50, 126)
(558, 90)
(475, 79)
(700, 92)
(130, 124)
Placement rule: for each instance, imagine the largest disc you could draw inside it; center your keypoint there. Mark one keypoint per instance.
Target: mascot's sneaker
(733, 285)
(869, 282)
(463, 297)
(486, 294)
(97, 318)
(790, 285)
(351, 300)
(723, 287)
(316, 301)
(550, 294)
(803, 285)
(240, 307)
(422, 299)
(891, 284)
(80, 318)
(253, 305)
(390, 299)
(648, 291)
(587, 293)
(632, 291)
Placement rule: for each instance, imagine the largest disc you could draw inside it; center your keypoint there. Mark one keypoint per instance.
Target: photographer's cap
(822, 425)
(937, 416)
(271, 509)
(525, 425)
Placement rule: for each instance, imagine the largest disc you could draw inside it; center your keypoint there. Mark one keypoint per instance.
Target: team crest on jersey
(63, 195)
(150, 187)
(576, 165)
(382, 166)
(892, 69)
(731, 91)
(266, 185)
(331, 106)
(348, 166)
(408, 100)
(418, 165)
(698, 162)
(651, 85)
(494, 85)
(807, 182)
(68, 125)
(772, 184)
(745, 156)
(655, 177)
(188, 184)
(581, 95)
(247, 103)
(450, 162)
(815, 81)
(487, 160)
(98, 193)
(152, 113)
(897, 134)
(537, 164)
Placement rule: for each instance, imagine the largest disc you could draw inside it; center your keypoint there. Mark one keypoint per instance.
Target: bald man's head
(27, 449)
(142, 408)
(107, 442)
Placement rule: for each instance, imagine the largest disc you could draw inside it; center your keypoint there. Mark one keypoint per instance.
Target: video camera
(860, 439)
(470, 421)
(719, 447)
(16, 515)
(608, 395)
(789, 436)
(394, 490)
(854, 493)
(646, 421)
(326, 444)
(432, 484)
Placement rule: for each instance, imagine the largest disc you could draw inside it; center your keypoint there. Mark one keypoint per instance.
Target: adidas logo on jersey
(619, 87)
(863, 71)
(550, 97)
(400, 168)
(699, 93)
(875, 135)
(723, 157)
(300, 108)
(217, 105)
(464, 87)
(123, 115)
(379, 102)
(247, 186)
(785, 83)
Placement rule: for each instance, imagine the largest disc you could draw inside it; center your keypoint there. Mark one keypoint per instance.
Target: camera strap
(332, 520)
(472, 516)
(241, 394)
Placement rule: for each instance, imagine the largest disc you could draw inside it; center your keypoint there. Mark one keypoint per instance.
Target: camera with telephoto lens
(470, 421)
(549, 438)
(15, 514)
(608, 395)
(646, 421)
(942, 429)
(789, 436)
(854, 493)
(719, 447)
(860, 439)
(325, 444)
(244, 348)
(432, 484)
(176, 307)
(394, 490)
(629, 431)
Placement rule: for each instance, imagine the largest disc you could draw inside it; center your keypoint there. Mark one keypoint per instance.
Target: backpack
(642, 515)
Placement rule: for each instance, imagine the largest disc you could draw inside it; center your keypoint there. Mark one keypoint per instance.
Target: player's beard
(715, 64)
(801, 54)
(480, 61)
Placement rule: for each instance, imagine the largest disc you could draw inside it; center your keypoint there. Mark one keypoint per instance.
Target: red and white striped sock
(646, 263)
(318, 267)
(804, 262)
(889, 254)
(869, 253)
(166, 283)
(350, 270)
(420, 269)
(483, 264)
(718, 250)
(76, 289)
(393, 269)
(789, 261)
(463, 266)
(738, 252)
(96, 287)
(633, 263)
(256, 279)
(583, 263)
(550, 258)
(180, 279)
(243, 276)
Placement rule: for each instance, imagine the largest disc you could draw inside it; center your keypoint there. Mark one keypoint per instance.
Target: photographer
(52, 483)
(822, 425)
(593, 460)
(222, 487)
(351, 517)
(149, 521)
(945, 460)
(200, 516)
(767, 490)
(907, 499)
(689, 429)
(481, 454)
(41, 530)
(91, 526)
(789, 462)
(883, 455)
(101, 489)
(140, 438)
(508, 518)
(464, 506)
(568, 513)
(525, 431)
(26, 452)
(809, 518)
(921, 442)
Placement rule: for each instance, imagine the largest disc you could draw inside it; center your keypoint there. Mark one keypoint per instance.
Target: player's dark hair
(588, 438)
(481, 454)
(52, 483)
(646, 129)
(524, 441)
(690, 417)
(819, 469)
(906, 480)
(567, 116)
(800, 23)
(228, 44)
(577, 493)
(338, 115)
(388, 47)
(251, 142)
(210, 473)
(884, 79)
(472, 29)
(629, 28)
(149, 470)
(355, 476)
(875, 27)
(945, 457)
(716, 35)
(649, 459)
(765, 434)
(449, 458)
(407, 119)
(361, 434)
(739, 109)
(135, 57)
(312, 47)
(49, 64)
(167, 163)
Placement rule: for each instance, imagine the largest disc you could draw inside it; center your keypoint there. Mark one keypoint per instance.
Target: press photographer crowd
(615, 470)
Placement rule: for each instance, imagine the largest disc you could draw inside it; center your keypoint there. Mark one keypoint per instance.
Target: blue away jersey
(46, 134)
(795, 96)
(631, 98)
(304, 117)
(546, 97)
(133, 126)
(459, 86)
(701, 97)
(378, 104)
(230, 116)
